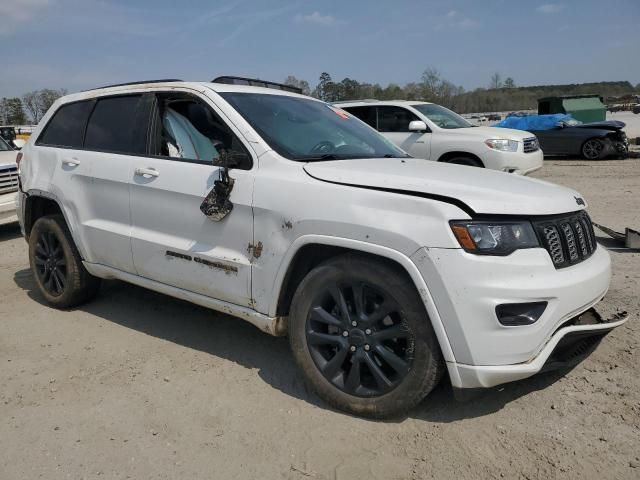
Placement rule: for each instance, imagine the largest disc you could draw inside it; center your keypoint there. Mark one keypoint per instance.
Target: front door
(173, 242)
(393, 123)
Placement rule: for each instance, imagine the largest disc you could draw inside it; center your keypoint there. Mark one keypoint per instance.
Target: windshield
(570, 122)
(3, 146)
(442, 117)
(307, 130)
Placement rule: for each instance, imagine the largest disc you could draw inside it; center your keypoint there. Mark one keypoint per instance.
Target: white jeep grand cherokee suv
(385, 271)
(8, 183)
(429, 131)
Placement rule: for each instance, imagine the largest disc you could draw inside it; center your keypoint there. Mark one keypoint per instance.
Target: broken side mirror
(229, 159)
(217, 205)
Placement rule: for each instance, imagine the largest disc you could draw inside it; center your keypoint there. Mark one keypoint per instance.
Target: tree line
(498, 95)
(29, 108)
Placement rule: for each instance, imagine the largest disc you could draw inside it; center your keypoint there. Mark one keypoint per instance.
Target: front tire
(57, 265)
(362, 338)
(593, 148)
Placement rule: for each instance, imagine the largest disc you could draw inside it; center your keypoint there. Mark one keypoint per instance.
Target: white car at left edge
(8, 183)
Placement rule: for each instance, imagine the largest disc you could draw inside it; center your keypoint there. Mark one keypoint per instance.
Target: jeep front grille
(531, 145)
(8, 180)
(569, 239)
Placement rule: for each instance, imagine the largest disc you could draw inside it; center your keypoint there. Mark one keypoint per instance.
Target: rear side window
(66, 127)
(366, 114)
(112, 126)
(394, 119)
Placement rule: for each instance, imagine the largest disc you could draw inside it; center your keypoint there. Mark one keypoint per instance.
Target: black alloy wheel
(358, 339)
(361, 336)
(57, 265)
(50, 262)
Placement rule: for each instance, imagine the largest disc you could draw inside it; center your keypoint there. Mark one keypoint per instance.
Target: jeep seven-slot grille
(531, 145)
(569, 239)
(8, 180)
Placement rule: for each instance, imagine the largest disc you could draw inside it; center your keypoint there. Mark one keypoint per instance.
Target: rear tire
(57, 265)
(468, 161)
(383, 365)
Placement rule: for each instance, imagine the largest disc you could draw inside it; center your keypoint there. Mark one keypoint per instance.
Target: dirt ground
(139, 385)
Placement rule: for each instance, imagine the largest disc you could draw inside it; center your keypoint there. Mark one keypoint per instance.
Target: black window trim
(147, 154)
(93, 101)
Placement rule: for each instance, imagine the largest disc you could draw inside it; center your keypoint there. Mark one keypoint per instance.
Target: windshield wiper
(321, 158)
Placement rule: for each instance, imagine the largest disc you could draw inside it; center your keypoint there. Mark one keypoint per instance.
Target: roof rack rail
(358, 100)
(165, 80)
(255, 82)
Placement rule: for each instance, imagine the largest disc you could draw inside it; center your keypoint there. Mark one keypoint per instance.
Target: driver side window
(394, 119)
(187, 129)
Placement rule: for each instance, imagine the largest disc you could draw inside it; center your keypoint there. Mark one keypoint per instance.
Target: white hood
(483, 191)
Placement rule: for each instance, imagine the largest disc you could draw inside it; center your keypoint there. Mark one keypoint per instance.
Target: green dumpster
(586, 108)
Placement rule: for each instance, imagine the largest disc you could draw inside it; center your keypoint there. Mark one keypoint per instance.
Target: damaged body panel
(589, 140)
(166, 216)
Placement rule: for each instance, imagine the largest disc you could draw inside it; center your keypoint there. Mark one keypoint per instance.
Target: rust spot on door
(255, 250)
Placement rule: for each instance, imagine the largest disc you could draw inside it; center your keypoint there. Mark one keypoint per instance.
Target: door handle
(72, 162)
(147, 172)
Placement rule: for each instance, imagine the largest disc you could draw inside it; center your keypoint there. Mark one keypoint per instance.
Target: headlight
(494, 238)
(502, 144)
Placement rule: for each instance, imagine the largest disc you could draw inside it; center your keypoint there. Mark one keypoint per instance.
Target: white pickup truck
(8, 183)
(432, 132)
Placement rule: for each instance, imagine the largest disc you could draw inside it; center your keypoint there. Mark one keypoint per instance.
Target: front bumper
(466, 289)
(519, 162)
(8, 208)
(569, 345)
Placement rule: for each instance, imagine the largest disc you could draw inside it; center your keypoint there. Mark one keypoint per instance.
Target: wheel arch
(445, 157)
(39, 203)
(309, 251)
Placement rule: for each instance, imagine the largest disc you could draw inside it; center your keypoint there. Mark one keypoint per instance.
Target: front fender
(361, 246)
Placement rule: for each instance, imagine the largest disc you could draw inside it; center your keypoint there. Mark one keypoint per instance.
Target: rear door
(91, 144)
(173, 242)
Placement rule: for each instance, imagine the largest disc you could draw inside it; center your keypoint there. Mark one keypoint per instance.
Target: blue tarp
(535, 122)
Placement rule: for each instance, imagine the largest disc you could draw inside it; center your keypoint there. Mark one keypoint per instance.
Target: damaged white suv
(385, 271)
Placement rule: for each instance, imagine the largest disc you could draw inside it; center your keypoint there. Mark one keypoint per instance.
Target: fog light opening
(519, 314)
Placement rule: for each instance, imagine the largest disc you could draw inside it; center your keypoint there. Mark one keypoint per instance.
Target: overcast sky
(78, 44)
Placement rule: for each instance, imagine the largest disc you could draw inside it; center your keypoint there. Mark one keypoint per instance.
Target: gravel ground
(139, 385)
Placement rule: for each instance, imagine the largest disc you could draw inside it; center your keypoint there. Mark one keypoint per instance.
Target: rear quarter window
(66, 127)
